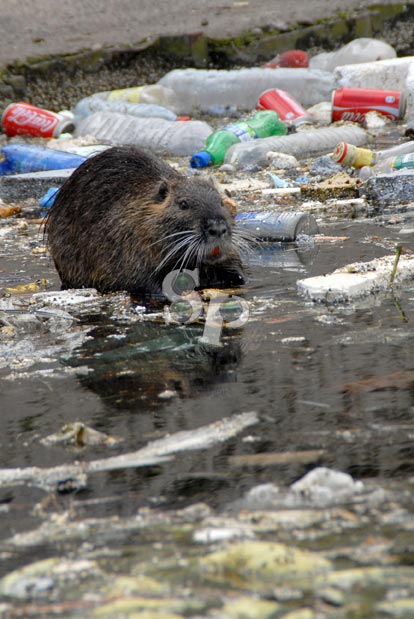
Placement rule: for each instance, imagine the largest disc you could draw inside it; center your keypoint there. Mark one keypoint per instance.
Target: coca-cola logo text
(26, 117)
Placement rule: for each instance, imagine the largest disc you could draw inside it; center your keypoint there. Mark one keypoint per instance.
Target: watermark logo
(223, 310)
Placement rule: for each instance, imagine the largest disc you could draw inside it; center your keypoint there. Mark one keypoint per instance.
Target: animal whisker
(169, 236)
(182, 243)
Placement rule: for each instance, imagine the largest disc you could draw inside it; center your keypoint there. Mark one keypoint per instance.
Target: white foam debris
(324, 486)
(357, 280)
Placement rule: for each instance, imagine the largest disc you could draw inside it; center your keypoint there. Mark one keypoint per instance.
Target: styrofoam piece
(388, 74)
(356, 280)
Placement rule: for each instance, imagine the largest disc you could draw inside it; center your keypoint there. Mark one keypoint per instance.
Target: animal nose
(216, 228)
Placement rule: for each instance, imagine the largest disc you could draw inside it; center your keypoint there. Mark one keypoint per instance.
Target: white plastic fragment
(356, 51)
(282, 161)
(155, 452)
(211, 535)
(323, 485)
(357, 280)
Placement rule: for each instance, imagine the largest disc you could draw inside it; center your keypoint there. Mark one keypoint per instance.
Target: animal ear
(212, 181)
(232, 206)
(163, 191)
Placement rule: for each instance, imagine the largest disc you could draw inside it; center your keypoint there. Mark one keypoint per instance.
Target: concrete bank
(54, 53)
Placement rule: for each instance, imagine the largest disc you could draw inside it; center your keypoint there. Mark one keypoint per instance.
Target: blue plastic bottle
(21, 158)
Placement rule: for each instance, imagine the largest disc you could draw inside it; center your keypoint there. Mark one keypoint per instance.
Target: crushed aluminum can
(285, 105)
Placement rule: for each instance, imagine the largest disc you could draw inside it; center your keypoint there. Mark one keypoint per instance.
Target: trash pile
(238, 123)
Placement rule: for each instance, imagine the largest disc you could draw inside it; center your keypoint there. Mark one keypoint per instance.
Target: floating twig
(398, 252)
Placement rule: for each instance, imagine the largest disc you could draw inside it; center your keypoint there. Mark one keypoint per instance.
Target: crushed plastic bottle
(21, 158)
(261, 125)
(163, 137)
(93, 104)
(152, 94)
(204, 89)
(304, 144)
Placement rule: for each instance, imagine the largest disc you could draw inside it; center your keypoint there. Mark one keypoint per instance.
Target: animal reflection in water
(153, 362)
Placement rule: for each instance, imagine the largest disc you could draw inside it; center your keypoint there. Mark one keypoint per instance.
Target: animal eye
(184, 205)
(162, 191)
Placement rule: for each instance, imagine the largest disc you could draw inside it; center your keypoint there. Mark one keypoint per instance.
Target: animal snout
(216, 228)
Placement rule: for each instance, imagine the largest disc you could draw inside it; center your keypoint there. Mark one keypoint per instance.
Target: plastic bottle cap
(201, 159)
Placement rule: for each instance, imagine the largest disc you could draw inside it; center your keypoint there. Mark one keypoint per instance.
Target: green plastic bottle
(262, 125)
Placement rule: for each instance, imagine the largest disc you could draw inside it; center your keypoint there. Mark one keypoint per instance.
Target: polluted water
(225, 454)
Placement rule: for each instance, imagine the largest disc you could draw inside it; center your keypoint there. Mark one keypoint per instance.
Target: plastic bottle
(278, 226)
(21, 158)
(282, 255)
(350, 155)
(153, 94)
(304, 144)
(354, 52)
(389, 165)
(206, 90)
(261, 125)
(163, 137)
(93, 104)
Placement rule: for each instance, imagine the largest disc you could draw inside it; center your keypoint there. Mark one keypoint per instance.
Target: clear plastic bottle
(207, 90)
(92, 104)
(350, 155)
(278, 225)
(388, 166)
(152, 94)
(263, 124)
(163, 137)
(304, 144)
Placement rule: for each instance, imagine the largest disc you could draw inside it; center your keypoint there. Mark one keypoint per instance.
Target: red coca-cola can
(353, 103)
(285, 105)
(26, 119)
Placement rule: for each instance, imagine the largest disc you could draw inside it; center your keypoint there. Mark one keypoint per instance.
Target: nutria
(125, 219)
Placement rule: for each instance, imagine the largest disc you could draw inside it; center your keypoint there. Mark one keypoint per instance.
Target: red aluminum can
(353, 103)
(26, 119)
(285, 105)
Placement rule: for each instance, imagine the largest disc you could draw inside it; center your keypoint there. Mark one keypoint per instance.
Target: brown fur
(125, 219)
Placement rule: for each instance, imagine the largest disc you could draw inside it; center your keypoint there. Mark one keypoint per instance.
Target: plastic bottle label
(126, 94)
(404, 161)
(242, 131)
